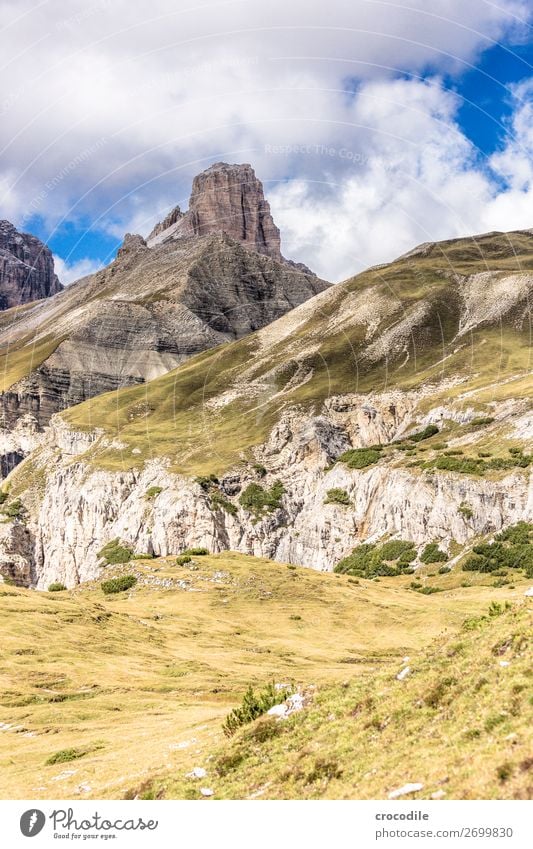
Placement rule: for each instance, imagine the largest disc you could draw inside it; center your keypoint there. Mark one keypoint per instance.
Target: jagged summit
(26, 268)
(208, 276)
(225, 199)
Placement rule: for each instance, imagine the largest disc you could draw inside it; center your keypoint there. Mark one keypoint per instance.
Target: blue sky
(373, 125)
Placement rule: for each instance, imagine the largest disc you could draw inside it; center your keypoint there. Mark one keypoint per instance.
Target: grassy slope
(127, 679)
(166, 416)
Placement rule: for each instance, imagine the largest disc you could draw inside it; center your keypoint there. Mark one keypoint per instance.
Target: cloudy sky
(374, 125)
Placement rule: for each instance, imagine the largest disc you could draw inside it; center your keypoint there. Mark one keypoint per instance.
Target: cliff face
(81, 508)
(26, 268)
(225, 199)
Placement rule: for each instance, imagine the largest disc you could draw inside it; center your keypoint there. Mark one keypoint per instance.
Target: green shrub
(56, 587)
(253, 705)
(482, 420)
(3, 496)
(195, 552)
(118, 585)
(257, 500)
(222, 503)
(504, 771)
(371, 560)
(511, 549)
(207, 482)
(259, 469)
(115, 552)
(153, 492)
(429, 590)
(183, 559)
(450, 462)
(465, 510)
(337, 496)
(433, 554)
(15, 509)
(65, 755)
(428, 431)
(360, 458)
(443, 570)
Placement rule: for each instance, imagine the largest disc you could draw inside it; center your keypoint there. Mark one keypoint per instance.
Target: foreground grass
(109, 696)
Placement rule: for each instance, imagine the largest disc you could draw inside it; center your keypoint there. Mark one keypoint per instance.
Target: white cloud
(109, 109)
(69, 272)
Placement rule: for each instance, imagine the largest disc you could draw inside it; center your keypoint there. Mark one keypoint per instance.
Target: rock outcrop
(225, 199)
(221, 278)
(26, 268)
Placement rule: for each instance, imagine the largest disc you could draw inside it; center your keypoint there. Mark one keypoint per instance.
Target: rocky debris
(225, 199)
(184, 744)
(83, 788)
(197, 772)
(405, 790)
(26, 268)
(404, 673)
(63, 775)
(529, 592)
(172, 218)
(293, 704)
(207, 791)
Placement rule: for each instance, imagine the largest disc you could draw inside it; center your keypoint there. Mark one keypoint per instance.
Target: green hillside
(422, 323)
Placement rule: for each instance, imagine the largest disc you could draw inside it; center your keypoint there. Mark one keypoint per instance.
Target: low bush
(183, 559)
(337, 496)
(207, 482)
(115, 552)
(259, 469)
(65, 755)
(118, 585)
(253, 705)
(195, 552)
(428, 432)
(465, 510)
(510, 549)
(360, 458)
(370, 560)
(482, 420)
(56, 587)
(258, 500)
(220, 502)
(153, 492)
(433, 554)
(451, 462)
(15, 509)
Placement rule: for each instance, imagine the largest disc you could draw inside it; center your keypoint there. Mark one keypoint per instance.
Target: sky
(373, 125)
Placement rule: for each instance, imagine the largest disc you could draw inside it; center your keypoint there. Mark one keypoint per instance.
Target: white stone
(206, 791)
(404, 673)
(405, 790)
(197, 772)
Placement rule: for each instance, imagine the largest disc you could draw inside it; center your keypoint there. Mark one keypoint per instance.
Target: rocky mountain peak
(26, 268)
(225, 199)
